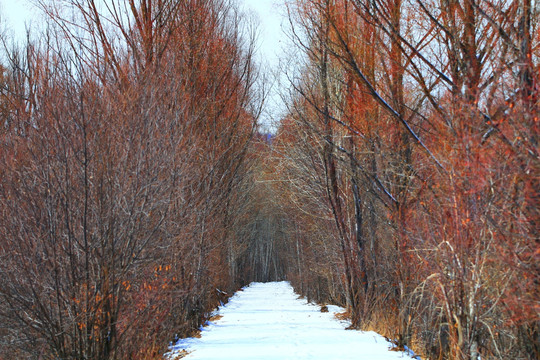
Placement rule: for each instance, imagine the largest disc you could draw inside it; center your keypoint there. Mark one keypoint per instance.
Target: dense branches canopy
(411, 151)
(125, 160)
(136, 192)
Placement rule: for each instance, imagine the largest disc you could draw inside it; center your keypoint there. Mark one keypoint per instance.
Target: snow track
(269, 321)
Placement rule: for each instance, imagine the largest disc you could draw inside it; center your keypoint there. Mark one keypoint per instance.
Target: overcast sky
(14, 14)
(272, 44)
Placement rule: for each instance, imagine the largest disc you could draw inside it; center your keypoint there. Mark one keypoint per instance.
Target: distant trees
(413, 127)
(124, 141)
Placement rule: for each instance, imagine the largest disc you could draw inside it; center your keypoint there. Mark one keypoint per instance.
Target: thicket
(125, 174)
(408, 170)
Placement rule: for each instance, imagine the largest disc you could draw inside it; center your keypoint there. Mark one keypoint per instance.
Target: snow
(270, 321)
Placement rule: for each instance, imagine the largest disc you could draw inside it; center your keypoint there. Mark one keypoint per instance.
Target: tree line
(125, 175)
(408, 170)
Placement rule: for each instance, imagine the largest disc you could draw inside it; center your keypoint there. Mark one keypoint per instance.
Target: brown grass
(346, 315)
(215, 318)
(180, 355)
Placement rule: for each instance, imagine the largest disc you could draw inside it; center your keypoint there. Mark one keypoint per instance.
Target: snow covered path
(269, 321)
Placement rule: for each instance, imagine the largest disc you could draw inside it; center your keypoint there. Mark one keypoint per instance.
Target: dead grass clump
(193, 333)
(215, 318)
(343, 316)
(180, 355)
(395, 345)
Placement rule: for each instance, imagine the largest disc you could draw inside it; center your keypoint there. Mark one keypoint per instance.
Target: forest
(138, 190)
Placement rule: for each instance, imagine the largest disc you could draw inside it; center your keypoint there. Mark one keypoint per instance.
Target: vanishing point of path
(268, 321)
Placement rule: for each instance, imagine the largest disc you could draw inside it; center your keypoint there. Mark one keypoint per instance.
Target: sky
(270, 13)
(15, 15)
(271, 47)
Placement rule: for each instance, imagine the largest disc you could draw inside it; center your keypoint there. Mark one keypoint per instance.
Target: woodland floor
(270, 321)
